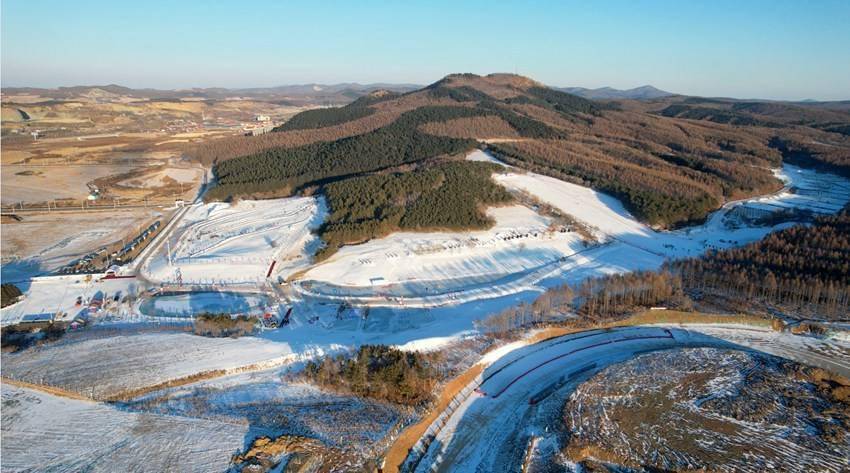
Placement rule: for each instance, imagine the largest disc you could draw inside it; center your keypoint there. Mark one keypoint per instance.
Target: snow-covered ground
(274, 407)
(220, 243)
(520, 240)
(106, 366)
(436, 269)
(487, 429)
(193, 303)
(41, 432)
(58, 295)
(822, 193)
(43, 243)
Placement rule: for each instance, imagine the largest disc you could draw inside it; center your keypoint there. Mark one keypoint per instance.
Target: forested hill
(670, 160)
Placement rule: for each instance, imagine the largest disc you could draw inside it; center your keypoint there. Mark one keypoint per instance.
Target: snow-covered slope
(42, 432)
(430, 269)
(222, 243)
(103, 367)
(520, 240)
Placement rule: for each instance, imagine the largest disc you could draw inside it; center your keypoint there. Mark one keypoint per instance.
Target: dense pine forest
(449, 196)
(659, 199)
(322, 117)
(377, 371)
(283, 171)
(670, 161)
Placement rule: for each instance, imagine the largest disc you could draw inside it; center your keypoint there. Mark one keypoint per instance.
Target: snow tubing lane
(647, 337)
(570, 337)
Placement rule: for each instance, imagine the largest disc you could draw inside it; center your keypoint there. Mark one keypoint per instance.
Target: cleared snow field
(41, 432)
(103, 367)
(221, 243)
(521, 240)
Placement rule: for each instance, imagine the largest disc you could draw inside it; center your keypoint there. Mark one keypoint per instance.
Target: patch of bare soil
(712, 410)
(295, 452)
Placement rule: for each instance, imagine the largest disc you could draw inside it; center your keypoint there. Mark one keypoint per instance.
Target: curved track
(488, 431)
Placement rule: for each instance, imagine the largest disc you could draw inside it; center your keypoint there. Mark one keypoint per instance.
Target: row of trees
(224, 325)
(378, 372)
(451, 196)
(596, 299)
(546, 308)
(618, 294)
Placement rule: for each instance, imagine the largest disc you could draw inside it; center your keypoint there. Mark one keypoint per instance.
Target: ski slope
(520, 240)
(221, 243)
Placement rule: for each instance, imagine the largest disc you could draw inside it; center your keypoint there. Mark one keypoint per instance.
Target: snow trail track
(486, 431)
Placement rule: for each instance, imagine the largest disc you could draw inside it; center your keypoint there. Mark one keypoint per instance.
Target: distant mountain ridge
(342, 92)
(645, 92)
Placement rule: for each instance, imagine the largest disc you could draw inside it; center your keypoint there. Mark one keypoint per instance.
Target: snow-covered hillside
(220, 243)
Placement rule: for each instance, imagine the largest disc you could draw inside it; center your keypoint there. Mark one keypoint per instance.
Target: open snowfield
(275, 407)
(103, 367)
(521, 240)
(220, 243)
(41, 432)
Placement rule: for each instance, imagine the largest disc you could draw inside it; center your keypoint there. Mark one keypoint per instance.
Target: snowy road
(492, 426)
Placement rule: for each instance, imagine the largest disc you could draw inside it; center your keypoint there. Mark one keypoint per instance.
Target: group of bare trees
(619, 294)
(804, 267)
(549, 306)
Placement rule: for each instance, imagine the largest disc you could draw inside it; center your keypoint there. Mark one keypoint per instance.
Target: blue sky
(766, 49)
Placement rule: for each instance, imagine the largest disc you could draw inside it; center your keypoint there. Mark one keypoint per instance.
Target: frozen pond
(193, 303)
